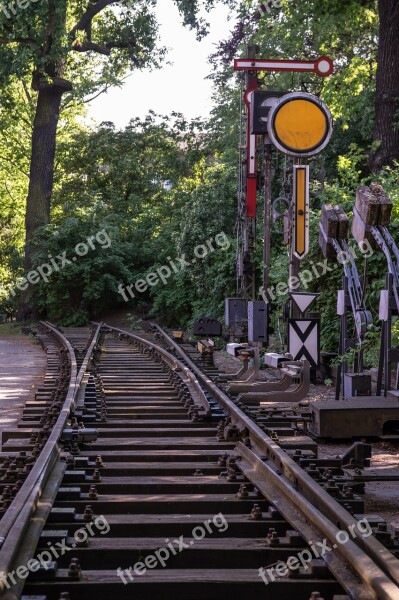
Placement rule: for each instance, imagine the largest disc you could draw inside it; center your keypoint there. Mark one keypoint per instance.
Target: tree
(362, 38)
(72, 50)
(135, 184)
(386, 132)
(16, 121)
(16, 118)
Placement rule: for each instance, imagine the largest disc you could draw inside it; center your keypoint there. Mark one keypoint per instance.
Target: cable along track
(169, 503)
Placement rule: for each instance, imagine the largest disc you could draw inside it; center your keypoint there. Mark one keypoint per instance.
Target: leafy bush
(87, 285)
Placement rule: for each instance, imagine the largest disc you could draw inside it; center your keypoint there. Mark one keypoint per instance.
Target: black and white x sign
(304, 340)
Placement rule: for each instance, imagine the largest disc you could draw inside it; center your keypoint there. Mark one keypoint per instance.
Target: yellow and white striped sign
(301, 211)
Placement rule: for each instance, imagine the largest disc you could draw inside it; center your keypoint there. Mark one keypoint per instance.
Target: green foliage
(369, 346)
(135, 323)
(92, 45)
(157, 191)
(162, 186)
(189, 9)
(81, 49)
(87, 285)
(208, 212)
(16, 116)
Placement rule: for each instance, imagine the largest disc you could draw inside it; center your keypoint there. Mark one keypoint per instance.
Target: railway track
(149, 481)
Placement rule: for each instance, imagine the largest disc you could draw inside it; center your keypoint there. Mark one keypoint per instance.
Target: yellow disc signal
(300, 124)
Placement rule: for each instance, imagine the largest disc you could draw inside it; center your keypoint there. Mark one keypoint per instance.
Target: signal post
(299, 126)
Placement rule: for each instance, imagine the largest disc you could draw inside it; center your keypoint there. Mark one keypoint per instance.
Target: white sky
(180, 87)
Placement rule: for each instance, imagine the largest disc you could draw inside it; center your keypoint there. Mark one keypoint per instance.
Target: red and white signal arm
(300, 124)
(251, 141)
(252, 163)
(323, 66)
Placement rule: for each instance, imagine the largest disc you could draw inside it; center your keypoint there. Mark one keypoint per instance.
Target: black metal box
(257, 321)
(236, 311)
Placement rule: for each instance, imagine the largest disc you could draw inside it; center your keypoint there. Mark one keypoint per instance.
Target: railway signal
(303, 300)
(334, 234)
(301, 211)
(371, 217)
(262, 104)
(297, 124)
(310, 113)
(304, 340)
(323, 66)
(252, 163)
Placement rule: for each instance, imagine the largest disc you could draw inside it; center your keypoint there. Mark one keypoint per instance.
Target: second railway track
(181, 496)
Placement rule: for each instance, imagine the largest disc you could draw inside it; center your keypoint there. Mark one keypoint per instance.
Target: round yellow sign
(300, 124)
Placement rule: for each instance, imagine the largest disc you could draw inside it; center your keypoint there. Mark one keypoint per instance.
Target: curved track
(181, 496)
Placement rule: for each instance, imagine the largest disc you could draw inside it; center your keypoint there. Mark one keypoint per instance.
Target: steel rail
(310, 496)
(174, 363)
(16, 520)
(125, 372)
(390, 242)
(379, 238)
(301, 513)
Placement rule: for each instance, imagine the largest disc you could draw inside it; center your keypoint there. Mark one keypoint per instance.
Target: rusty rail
(174, 363)
(16, 520)
(376, 566)
(365, 568)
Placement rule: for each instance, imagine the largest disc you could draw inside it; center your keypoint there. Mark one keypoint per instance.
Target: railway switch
(80, 436)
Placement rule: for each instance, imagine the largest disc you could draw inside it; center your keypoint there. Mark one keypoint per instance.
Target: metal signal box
(207, 326)
(236, 311)
(258, 321)
(263, 101)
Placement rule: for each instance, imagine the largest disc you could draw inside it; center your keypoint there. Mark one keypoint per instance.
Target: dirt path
(22, 368)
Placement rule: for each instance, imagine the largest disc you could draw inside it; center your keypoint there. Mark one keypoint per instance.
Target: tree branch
(106, 49)
(93, 10)
(27, 94)
(18, 40)
(90, 46)
(102, 91)
(50, 27)
(105, 89)
(18, 168)
(128, 44)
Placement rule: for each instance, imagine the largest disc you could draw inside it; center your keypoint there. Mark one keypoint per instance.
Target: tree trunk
(41, 170)
(43, 154)
(386, 132)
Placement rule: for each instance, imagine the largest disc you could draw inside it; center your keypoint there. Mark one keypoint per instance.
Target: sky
(180, 87)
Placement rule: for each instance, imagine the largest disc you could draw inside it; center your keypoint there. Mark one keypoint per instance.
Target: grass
(10, 329)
